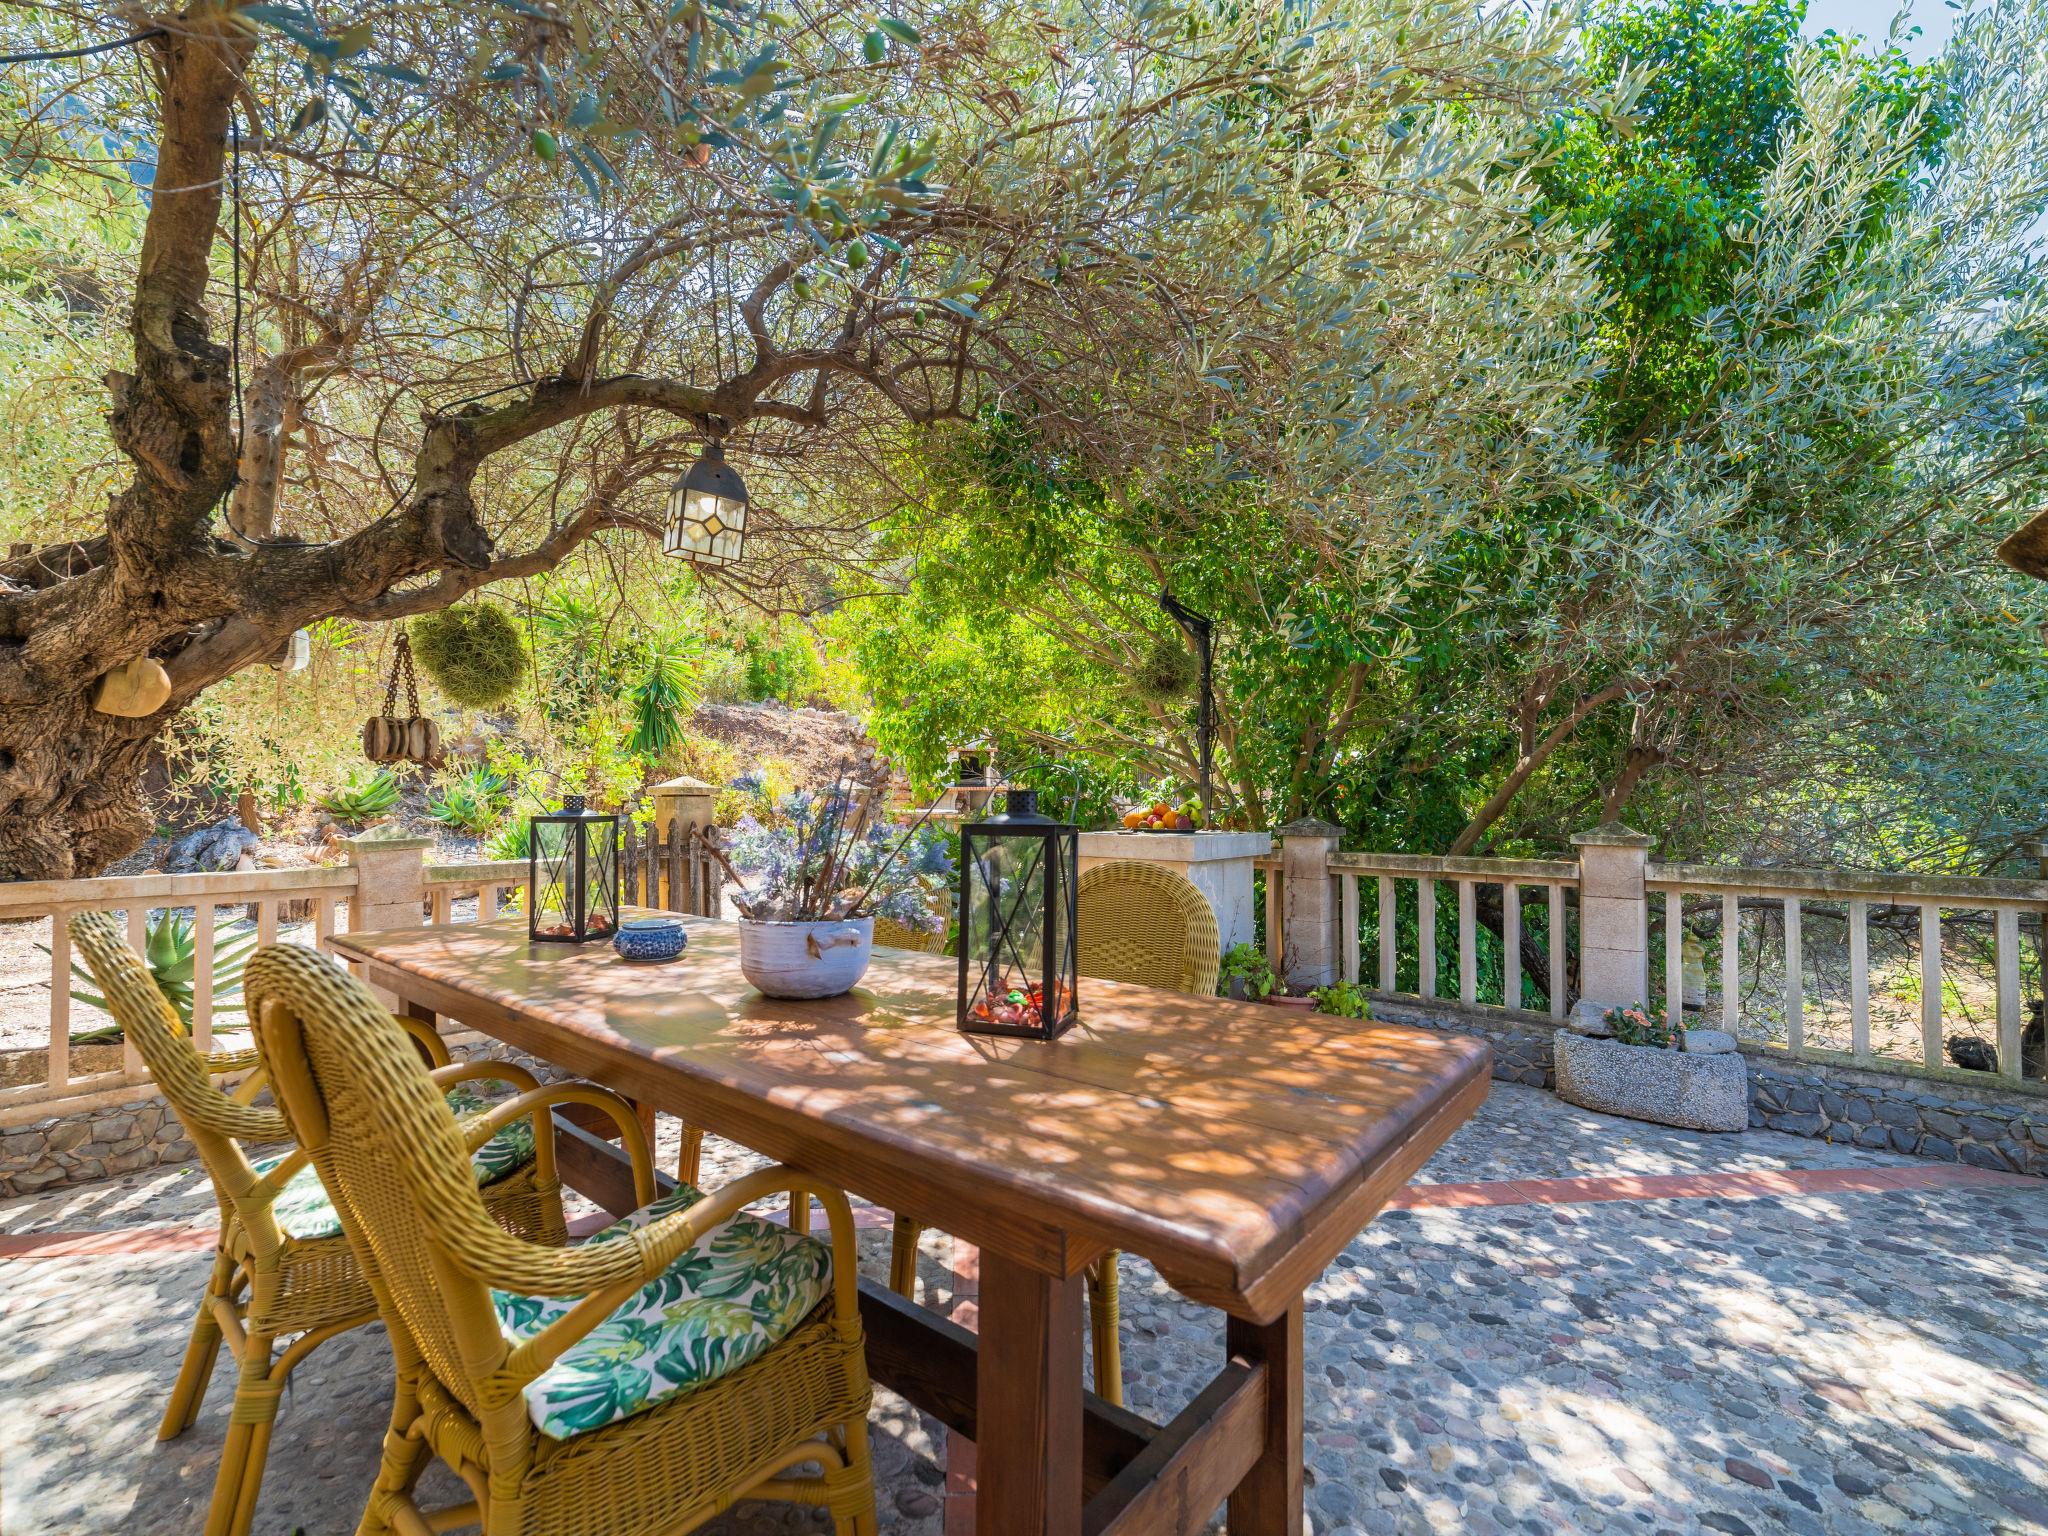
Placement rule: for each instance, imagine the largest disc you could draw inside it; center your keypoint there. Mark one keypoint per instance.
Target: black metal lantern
(572, 871)
(1019, 879)
(707, 512)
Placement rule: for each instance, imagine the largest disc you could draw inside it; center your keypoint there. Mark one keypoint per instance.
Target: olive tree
(425, 296)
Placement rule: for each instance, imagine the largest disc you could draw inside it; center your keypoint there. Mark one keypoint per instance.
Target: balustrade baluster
(1795, 978)
(1930, 984)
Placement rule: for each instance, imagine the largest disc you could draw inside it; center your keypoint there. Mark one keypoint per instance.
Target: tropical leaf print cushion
(304, 1211)
(741, 1288)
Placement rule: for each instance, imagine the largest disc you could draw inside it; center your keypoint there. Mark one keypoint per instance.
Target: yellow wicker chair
(281, 1268)
(642, 1382)
(1137, 923)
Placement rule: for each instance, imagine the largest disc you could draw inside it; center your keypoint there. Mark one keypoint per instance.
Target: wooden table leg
(1028, 1403)
(1268, 1501)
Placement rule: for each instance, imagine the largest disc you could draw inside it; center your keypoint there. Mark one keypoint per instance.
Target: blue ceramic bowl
(650, 938)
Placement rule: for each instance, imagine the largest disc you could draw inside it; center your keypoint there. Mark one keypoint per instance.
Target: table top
(1238, 1146)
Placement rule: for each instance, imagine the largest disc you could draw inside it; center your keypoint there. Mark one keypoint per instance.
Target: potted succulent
(813, 880)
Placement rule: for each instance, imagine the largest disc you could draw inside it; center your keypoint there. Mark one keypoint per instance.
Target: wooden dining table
(1238, 1147)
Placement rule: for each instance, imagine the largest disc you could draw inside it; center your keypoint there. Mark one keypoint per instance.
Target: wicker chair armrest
(451, 1073)
(220, 1063)
(429, 1038)
(537, 1102)
(653, 1248)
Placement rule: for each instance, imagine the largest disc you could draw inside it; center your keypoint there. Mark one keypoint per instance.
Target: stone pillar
(391, 881)
(1614, 928)
(1218, 864)
(1308, 904)
(686, 799)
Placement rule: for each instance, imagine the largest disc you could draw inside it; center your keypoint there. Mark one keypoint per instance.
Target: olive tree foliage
(1820, 508)
(502, 268)
(1714, 540)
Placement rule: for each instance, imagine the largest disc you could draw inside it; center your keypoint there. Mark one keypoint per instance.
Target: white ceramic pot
(806, 959)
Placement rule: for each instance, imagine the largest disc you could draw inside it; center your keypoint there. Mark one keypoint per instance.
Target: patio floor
(1573, 1323)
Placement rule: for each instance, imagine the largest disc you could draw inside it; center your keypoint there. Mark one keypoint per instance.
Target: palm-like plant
(663, 699)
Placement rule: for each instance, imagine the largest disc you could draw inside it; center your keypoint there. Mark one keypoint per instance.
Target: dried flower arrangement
(825, 857)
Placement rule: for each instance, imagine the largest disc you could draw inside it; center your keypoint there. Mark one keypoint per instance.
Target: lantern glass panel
(704, 527)
(1018, 960)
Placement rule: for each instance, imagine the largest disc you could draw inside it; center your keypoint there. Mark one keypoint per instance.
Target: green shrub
(360, 800)
(473, 653)
(784, 668)
(1246, 963)
(1346, 999)
(512, 840)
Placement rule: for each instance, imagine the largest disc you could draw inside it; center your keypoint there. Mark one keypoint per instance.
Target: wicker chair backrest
(1143, 924)
(216, 1123)
(390, 1151)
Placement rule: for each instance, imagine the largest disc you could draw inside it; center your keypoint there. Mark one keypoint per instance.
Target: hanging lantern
(974, 777)
(572, 870)
(1019, 879)
(707, 512)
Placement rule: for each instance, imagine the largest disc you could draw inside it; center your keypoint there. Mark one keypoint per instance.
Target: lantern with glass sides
(572, 871)
(1019, 874)
(707, 512)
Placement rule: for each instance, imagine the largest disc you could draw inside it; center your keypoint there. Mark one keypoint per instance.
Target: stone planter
(804, 960)
(1695, 1092)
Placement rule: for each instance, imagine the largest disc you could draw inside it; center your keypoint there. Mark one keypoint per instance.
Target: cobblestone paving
(1817, 1363)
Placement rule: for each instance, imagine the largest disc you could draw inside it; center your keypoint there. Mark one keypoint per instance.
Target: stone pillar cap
(1308, 826)
(682, 783)
(1611, 834)
(374, 841)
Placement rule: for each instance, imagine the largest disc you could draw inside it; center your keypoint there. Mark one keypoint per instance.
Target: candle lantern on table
(572, 873)
(1019, 964)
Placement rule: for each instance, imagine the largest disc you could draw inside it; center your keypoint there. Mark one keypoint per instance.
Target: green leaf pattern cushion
(304, 1211)
(741, 1288)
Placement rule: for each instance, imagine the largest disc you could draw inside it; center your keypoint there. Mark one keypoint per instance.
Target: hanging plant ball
(474, 654)
(1166, 672)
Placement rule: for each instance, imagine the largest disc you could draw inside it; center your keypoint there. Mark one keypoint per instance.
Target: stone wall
(91, 1144)
(1948, 1121)
(1521, 1042)
(1951, 1123)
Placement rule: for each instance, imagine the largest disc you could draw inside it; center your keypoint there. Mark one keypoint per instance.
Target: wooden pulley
(408, 738)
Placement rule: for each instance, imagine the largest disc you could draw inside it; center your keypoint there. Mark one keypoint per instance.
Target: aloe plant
(360, 800)
(171, 951)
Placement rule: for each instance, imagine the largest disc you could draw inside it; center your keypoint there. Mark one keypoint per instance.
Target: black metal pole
(1201, 629)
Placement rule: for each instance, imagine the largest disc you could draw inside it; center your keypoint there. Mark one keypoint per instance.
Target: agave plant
(361, 800)
(170, 949)
(470, 802)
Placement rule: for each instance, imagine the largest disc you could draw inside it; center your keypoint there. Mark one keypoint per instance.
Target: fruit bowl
(1160, 817)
